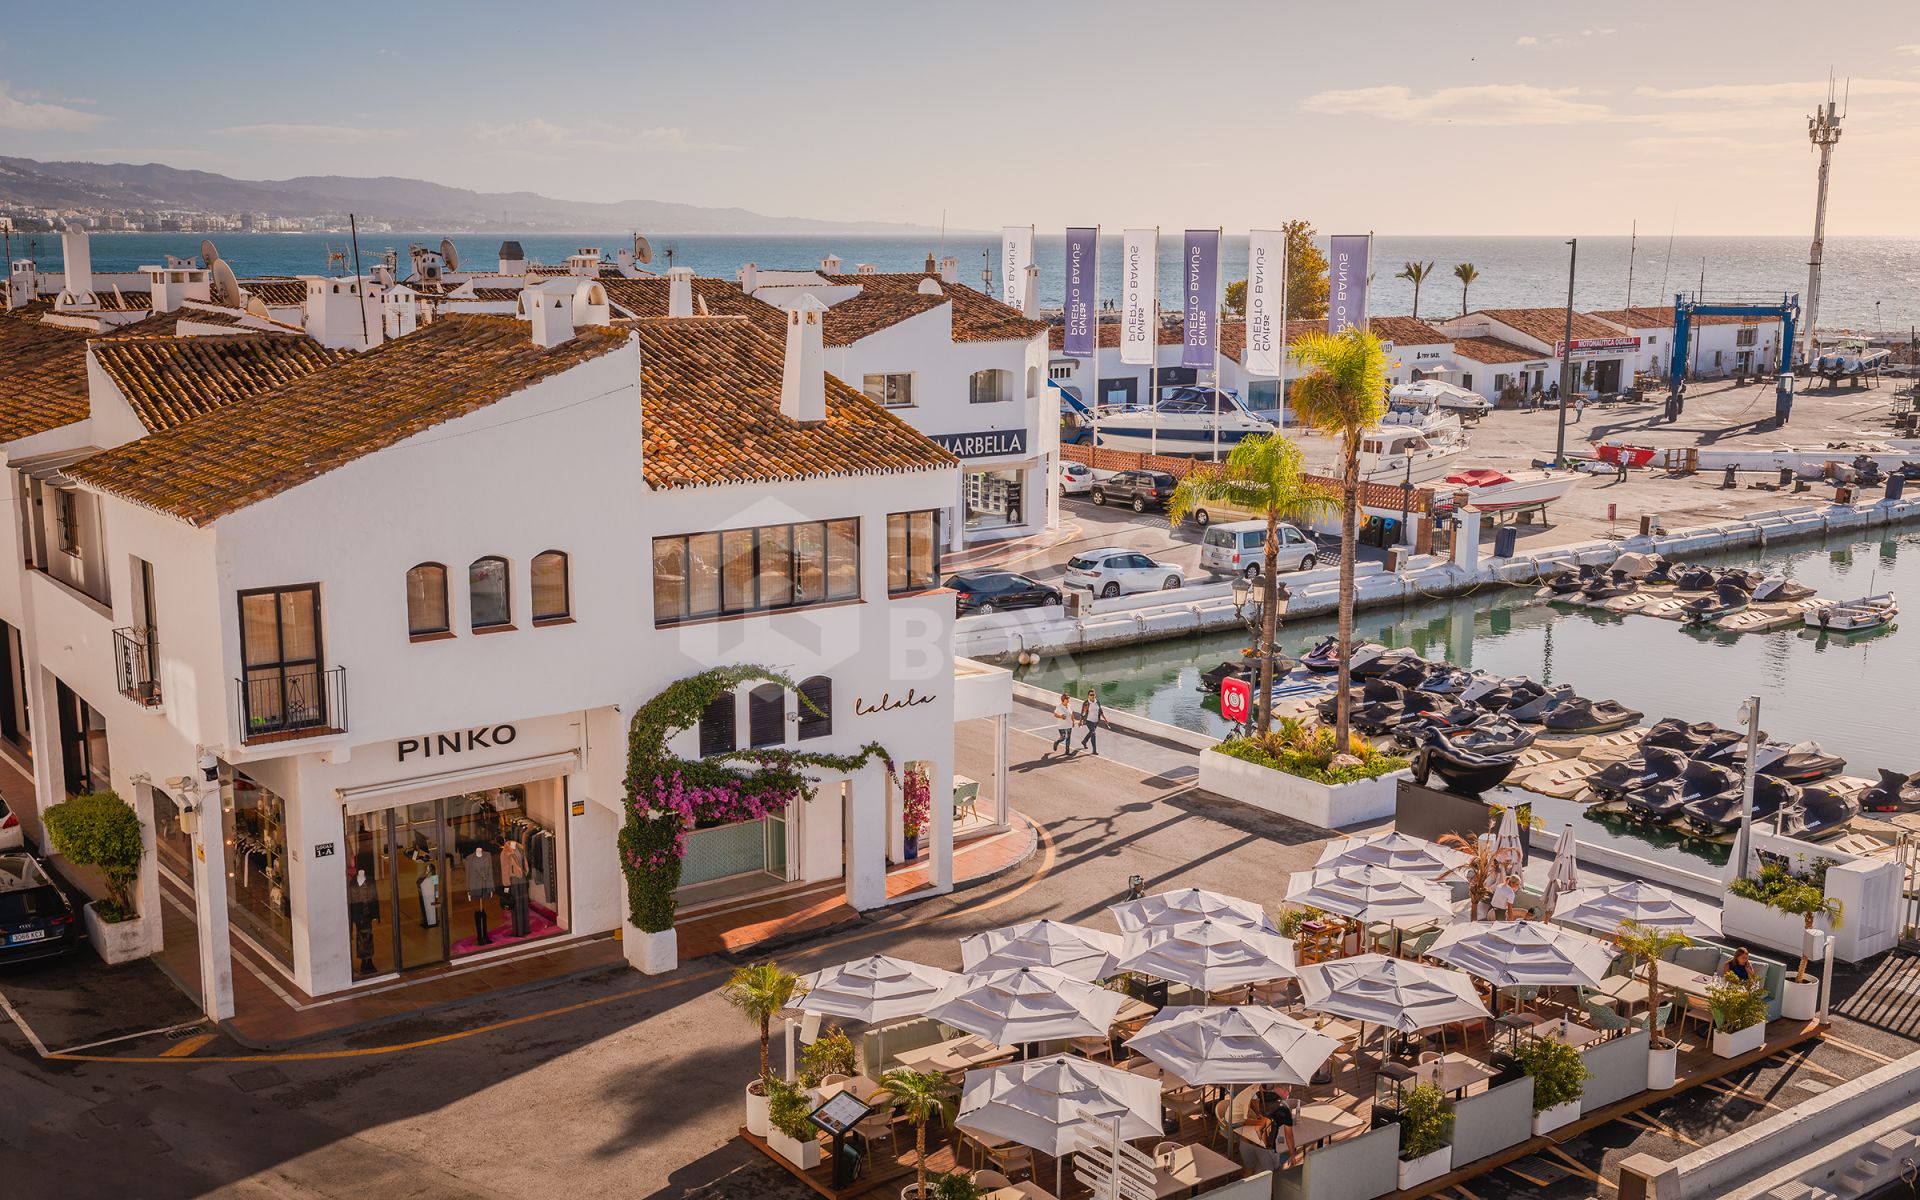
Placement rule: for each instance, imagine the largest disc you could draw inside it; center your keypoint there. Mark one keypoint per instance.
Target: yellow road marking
(188, 1046)
(1862, 1051)
(1799, 1061)
(1047, 859)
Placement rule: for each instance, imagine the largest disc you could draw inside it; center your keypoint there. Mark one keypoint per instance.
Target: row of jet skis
(1719, 592)
(1469, 728)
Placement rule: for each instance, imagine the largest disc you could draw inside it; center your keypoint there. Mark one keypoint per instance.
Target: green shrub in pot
(1558, 1073)
(1426, 1121)
(1736, 1005)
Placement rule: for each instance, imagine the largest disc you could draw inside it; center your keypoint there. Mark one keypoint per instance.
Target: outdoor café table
(1133, 1009)
(1187, 1168)
(1312, 1125)
(1572, 1033)
(1339, 1031)
(1632, 991)
(1025, 1190)
(959, 1054)
(1453, 1073)
(866, 1089)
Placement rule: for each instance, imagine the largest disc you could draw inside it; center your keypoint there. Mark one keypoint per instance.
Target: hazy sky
(1464, 117)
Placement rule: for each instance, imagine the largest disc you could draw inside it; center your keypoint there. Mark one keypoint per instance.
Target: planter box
(1663, 1068)
(1749, 921)
(757, 1123)
(1743, 1041)
(1800, 1001)
(650, 953)
(805, 1155)
(116, 941)
(1329, 806)
(1553, 1118)
(1416, 1171)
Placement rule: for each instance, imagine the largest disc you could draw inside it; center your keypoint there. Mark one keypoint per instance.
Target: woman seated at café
(1739, 967)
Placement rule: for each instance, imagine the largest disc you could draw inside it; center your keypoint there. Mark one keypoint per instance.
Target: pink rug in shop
(541, 922)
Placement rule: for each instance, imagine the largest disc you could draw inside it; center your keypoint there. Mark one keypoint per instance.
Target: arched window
(488, 593)
(552, 598)
(816, 694)
(1033, 382)
(989, 386)
(427, 600)
(717, 726)
(767, 715)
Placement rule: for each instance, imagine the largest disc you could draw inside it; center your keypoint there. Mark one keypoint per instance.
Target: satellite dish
(226, 289)
(642, 250)
(450, 255)
(256, 307)
(208, 253)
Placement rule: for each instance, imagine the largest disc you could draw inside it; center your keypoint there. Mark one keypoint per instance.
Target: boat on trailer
(1398, 453)
(1500, 491)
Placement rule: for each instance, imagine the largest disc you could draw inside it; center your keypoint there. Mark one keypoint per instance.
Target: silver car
(1238, 548)
(1117, 571)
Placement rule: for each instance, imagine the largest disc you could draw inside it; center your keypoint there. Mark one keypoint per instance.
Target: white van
(1238, 548)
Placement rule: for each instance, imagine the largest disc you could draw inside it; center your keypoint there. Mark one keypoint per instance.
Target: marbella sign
(991, 443)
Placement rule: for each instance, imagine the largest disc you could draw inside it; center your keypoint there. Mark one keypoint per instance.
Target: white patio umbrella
(1026, 1004)
(874, 989)
(1607, 908)
(1085, 954)
(1507, 850)
(1399, 993)
(1370, 893)
(1524, 954)
(1207, 954)
(1045, 1102)
(1237, 1044)
(1189, 904)
(1564, 875)
(1395, 851)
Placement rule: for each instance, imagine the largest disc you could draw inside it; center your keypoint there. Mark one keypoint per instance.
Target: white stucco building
(341, 625)
(1718, 345)
(1505, 353)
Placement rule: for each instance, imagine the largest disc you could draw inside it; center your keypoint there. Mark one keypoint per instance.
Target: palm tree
(1478, 872)
(1416, 274)
(1650, 944)
(1466, 274)
(921, 1096)
(759, 991)
(1343, 393)
(1262, 473)
(1809, 901)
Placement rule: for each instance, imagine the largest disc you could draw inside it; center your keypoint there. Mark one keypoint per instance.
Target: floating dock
(1671, 605)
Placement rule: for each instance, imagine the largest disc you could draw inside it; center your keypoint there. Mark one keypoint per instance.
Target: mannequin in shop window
(430, 897)
(363, 909)
(479, 887)
(513, 876)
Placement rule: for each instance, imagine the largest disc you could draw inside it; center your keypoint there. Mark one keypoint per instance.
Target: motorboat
(1723, 601)
(1188, 419)
(1580, 715)
(1850, 357)
(1803, 762)
(1719, 814)
(1897, 791)
(1390, 454)
(1821, 811)
(1662, 802)
(1778, 589)
(1855, 616)
(1463, 771)
(1535, 709)
(1618, 583)
(1442, 396)
(1501, 491)
(1422, 418)
(1324, 658)
(1654, 764)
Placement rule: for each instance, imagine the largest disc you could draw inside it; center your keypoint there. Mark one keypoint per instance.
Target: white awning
(377, 796)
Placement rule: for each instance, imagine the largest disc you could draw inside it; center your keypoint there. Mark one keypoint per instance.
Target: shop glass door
(420, 916)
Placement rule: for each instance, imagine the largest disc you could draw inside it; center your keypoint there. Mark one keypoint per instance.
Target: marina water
(1855, 696)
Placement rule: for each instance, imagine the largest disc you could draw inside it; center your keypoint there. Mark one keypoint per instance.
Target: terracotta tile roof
(977, 317)
(1494, 351)
(1545, 324)
(648, 298)
(44, 381)
(496, 293)
(123, 301)
(245, 453)
(277, 292)
(710, 402)
(871, 311)
(1662, 318)
(169, 380)
(1407, 331)
(549, 269)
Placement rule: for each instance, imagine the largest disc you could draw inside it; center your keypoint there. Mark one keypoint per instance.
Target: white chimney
(78, 290)
(803, 382)
(866, 269)
(590, 305)
(1030, 294)
(680, 292)
(930, 287)
(749, 278)
(950, 269)
(551, 315)
(830, 265)
(23, 282)
(513, 260)
(335, 316)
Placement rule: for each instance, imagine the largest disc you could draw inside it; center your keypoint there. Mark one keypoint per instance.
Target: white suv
(1119, 572)
(1076, 479)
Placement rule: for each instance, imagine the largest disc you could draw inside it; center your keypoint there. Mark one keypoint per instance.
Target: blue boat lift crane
(1786, 311)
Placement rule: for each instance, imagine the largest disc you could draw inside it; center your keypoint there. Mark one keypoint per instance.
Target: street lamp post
(1749, 714)
(1566, 360)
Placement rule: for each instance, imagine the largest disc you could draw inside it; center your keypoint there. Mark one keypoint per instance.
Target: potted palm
(759, 991)
(1426, 1121)
(921, 1096)
(1559, 1078)
(1800, 996)
(1647, 945)
(790, 1133)
(1739, 1017)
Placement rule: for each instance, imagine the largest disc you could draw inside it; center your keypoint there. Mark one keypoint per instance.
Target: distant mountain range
(403, 203)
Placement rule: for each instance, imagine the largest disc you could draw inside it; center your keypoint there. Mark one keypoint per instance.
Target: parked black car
(998, 591)
(36, 920)
(1141, 489)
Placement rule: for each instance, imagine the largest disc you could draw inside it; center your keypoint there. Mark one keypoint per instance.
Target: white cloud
(537, 135)
(1526, 39)
(334, 134)
(1486, 104)
(1597, 31)
(1911, 48)
(30, 116)
(1763, 93)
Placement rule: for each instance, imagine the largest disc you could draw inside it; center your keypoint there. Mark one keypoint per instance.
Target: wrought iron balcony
(136, 660)
(281, 703)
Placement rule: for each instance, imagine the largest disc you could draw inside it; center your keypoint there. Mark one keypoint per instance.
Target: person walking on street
(1063, 724)
(1579, 406)
(1090, 714)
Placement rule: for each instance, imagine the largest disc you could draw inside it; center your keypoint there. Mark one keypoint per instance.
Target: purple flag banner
(1347, 281)
(1083, 292)
(1200, 297)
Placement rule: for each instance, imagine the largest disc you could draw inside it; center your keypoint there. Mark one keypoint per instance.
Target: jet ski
(1581, 715)
(1820, 812)
(1609, 586)
(1654, 764)
(1803, 762)
(1778, 589)
(1482, 683)
(1510, 694)
(1895, 792)
(1444, 680)
(1245, 668)
(1448, 719)
(1742, 578)
(1719, 814)
(1725, 600)
(1325, 658)
(1696, 579)
(1663, 569)
(1463, 771)
(1376, 706)
(1662, 802)
(1494, 735)
(1568, 582)
(1671, 733)
(1867, 470)
(1380, 664)
(1410, 674)
(1535, 710)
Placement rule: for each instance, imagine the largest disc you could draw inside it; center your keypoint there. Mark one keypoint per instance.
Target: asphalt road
(614, 1084)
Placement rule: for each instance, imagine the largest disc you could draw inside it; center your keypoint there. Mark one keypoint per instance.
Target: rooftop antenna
(359, 281)
(1823, 130)
(1633, 246)
(449, 255)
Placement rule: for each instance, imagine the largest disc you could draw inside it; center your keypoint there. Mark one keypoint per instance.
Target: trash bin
(1504, 540)
(1843, 494)
(1896, 486)
(1786, 477)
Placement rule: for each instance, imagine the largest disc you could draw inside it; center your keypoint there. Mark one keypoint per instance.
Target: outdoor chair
(827, 1081)
(988, 1180)
(1223, 1123)
(1092, 1047)
(1661, 1018)
(1012, 1158)
(1188, 1110)
(1606, 1020)
(877, 1125)
(1274, 991)
(1697, 1010)
(1418, 947)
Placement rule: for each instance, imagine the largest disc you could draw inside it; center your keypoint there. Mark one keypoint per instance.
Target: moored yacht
(1394, 454)
(1187, 420)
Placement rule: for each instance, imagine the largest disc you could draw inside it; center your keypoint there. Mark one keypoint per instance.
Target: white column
(49, 766)
(210, 903)
(896, 825)
(940, 840)
(1000, 769)
(867, 853)
(957, 525)
(1466, 540)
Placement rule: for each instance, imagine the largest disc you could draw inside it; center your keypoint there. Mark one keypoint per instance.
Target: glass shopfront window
(994, 498)
(255, 821)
